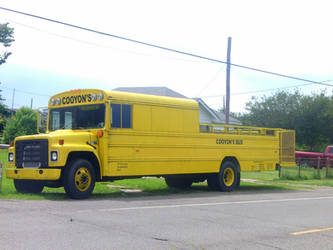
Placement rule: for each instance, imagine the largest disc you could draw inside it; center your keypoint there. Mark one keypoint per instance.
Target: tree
(24, 122)
(6, 39)
(4, 114)
(311, 116)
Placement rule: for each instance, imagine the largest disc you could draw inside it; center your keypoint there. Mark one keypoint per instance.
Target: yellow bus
(94, 135)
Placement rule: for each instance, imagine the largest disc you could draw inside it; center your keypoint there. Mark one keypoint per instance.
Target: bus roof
(97, 96)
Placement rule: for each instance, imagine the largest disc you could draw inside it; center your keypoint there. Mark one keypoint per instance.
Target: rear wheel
(213, 182)
(79, 179)
(178, 182)
(238, 179)
(28, 186)
(228, 177)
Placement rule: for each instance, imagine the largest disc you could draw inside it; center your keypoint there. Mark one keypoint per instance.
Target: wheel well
(232, 159)
(89, 156)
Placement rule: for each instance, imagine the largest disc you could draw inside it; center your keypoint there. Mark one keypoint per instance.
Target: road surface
(301, 219)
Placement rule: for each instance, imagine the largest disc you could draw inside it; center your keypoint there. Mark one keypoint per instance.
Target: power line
(259, 91)
(210, 81)
(90, 43)
(162, 47)
(25, 92)
(265, 90)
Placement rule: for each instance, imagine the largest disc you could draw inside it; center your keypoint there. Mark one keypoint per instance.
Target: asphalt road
(208, 220)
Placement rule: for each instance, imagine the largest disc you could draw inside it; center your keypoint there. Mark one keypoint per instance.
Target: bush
(24, 122)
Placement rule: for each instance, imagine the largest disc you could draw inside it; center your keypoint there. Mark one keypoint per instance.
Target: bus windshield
(77, 117)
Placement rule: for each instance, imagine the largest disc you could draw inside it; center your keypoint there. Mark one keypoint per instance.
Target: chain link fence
(308, 169)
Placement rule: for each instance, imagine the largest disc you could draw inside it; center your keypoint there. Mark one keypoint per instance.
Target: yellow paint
(82, 179)
(165, 138)
(33, 174)
(313, 231)
(228, 177)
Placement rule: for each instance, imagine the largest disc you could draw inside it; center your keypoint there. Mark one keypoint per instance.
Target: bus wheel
(228, 177)
(213, 182)
(27, 186)
(178, 182)
(79, 179)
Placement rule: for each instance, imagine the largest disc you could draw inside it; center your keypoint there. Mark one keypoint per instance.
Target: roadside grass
(290, 175)
(147, 186)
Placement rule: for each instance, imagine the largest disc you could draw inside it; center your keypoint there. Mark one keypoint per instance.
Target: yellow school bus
(95, 135)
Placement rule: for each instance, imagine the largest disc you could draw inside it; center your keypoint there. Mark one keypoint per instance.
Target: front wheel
(79, 179)
(28, 186)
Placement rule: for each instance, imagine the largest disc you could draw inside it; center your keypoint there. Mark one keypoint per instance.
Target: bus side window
(116, 116)
(121, 116)
(126, 113)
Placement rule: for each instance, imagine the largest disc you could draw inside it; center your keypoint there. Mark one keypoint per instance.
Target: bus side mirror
(41, 120)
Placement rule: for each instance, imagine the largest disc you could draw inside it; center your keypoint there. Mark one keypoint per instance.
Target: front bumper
(33, 174)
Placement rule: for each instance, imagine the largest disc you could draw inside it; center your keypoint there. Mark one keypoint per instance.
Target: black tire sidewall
(178, 182)
(69, 179)
(213, 182)
(28, 186)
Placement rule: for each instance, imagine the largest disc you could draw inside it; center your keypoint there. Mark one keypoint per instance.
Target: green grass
(261, 175)
(309, 176)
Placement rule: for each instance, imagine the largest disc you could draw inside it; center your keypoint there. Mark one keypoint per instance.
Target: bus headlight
(10, 157)
(52, 101)
(94, 97)
(54, 156)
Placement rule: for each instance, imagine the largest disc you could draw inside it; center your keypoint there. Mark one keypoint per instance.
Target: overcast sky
(288, 37)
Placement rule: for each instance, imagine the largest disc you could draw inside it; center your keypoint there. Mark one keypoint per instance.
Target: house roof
(159, 91)
(219, 117)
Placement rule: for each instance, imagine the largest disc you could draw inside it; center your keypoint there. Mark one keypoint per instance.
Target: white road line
(204, 204)
(317, 230)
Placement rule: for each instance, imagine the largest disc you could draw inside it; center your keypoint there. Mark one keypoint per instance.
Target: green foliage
(24, 122)
(6, 39)
(311, 116)
(4, 114)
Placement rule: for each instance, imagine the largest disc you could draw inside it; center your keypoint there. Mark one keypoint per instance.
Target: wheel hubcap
(82, 179)
(228, 177)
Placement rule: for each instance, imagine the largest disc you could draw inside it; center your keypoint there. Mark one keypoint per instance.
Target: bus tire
(79, 179)
(213, 182)
(238, 179)
(178, 182)
(28, 186)
(228, 177)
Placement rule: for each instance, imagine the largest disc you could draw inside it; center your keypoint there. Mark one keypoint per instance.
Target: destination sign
(74, 99)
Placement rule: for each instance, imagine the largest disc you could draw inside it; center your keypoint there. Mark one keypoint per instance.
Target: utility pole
(13, 102)
(227, 107)
(224, 103)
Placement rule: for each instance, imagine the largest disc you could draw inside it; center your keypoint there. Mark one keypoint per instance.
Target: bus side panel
(135, 153)
(166, 140)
